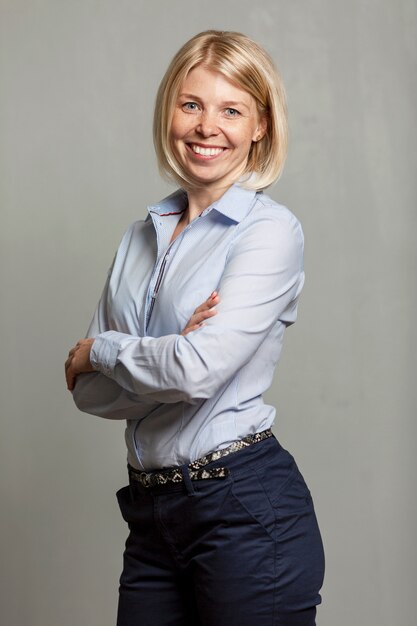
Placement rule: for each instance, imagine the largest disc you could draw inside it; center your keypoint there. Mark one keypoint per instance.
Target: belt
(195, 469)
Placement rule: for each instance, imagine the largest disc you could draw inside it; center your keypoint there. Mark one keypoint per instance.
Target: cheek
(242, 135)
(242, 141)
(176, 129)
(174, 132)
(181, 126)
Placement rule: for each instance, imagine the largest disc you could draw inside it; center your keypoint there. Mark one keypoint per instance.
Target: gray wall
(76, 167)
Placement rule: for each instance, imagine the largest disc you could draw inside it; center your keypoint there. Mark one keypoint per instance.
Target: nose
(207, 125)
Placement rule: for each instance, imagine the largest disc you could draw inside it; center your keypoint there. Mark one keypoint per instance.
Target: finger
(203, 307)
(207, 304)
(70, 378)
(198, 320)
(77, 346)
(190, 329)
(203, 315)
(214, 299)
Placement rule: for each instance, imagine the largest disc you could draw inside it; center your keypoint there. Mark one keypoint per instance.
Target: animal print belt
(196, 469)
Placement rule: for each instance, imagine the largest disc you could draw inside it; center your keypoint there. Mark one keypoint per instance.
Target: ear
(261, 129)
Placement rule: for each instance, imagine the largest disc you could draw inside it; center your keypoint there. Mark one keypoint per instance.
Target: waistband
(196, 470)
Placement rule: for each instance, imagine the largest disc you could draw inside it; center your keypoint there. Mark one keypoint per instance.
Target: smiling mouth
(205, 151)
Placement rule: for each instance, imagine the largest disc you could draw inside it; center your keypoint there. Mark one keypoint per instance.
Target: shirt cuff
(105, 350)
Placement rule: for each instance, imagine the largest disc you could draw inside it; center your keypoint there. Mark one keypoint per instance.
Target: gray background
(78, 81)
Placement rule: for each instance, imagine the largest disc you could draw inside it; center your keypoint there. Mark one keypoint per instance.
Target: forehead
(207, 83)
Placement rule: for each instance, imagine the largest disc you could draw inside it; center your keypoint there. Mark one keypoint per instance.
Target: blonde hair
(245, 63)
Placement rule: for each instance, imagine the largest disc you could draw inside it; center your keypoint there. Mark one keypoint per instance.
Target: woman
(222, 525)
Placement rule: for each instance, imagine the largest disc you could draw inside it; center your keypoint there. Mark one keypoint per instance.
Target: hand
(203, 312)
(78, 361)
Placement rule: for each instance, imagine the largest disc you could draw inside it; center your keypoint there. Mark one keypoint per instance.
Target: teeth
(206, 151)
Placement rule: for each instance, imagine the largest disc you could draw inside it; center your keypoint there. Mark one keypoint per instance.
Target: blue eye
(232, 112)
(190, 106)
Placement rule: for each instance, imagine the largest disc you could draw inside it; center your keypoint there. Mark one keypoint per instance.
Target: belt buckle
(145, 479)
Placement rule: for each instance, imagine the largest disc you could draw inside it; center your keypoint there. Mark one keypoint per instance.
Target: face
(214, 125)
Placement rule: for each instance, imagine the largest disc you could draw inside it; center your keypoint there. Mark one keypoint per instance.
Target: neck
(200, 198)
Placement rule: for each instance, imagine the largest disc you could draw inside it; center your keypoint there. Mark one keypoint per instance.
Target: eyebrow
(227, 103)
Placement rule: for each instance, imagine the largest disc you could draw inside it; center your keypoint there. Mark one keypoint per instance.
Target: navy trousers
(241, 551)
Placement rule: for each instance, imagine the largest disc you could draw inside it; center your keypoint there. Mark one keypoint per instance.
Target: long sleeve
(99, 395)
(259, 286)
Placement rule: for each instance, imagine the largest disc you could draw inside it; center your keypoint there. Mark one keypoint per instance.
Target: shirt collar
(235, 203)
(175, 203)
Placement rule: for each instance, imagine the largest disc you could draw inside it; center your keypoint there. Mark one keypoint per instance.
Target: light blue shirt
(185, 396)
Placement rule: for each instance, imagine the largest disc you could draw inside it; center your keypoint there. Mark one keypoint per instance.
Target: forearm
(99, 395)
(164, 369)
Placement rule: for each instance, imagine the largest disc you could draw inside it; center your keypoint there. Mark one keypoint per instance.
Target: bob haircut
(247, 65)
